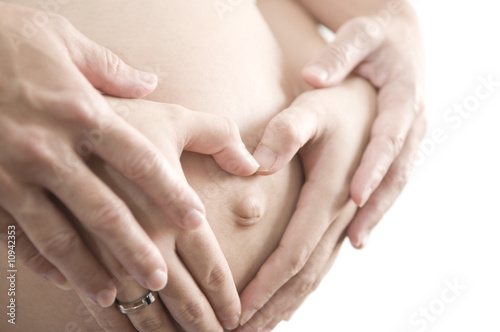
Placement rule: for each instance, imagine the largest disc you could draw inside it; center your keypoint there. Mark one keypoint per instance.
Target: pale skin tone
(391, 59)
(47, 110)
(304, 139)
(277, 95)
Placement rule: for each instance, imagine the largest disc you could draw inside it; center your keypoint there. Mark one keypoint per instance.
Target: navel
(248, 209)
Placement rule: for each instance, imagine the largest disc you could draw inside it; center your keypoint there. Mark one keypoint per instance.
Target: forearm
(295, 30)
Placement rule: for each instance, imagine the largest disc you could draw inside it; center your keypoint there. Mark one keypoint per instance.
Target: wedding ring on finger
(134, 306)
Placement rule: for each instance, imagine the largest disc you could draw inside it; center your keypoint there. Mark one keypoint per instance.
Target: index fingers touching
(220, 137)
(158, 172)
(287, 132)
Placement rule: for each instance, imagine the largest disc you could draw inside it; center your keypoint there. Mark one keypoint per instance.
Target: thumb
(285, 134)
(107, 72)
(354, 41)
(220, 137)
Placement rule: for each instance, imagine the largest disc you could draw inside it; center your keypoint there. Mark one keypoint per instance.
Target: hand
(51, 118)
(390, 57)
(330, 127)
(201, 294)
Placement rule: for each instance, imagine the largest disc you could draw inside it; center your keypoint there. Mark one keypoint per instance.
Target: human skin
(380, 41)
(51, 118)
(274, 93)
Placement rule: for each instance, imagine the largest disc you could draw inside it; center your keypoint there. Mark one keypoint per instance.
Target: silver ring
(130, 307)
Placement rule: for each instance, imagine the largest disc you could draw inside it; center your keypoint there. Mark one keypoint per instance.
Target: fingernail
(148, 78)
(288, 316)
(250, 158)
(356, 245)
(265, 157)
(364, 241)
(106, 297)
(365, 196)
(58, 279)
(318, 71)
(157, 280)
(231, 324)
(193, 219)
(199, 204)
(265, 330)
(247, 316)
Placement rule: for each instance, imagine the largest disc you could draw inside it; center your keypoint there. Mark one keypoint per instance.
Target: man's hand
(51, 119)
(201, 294)
(386, 49)
(330, 127)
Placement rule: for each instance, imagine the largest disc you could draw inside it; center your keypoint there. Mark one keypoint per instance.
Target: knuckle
(400, 176)
(59, 244)
(305, 283)
(143, 165)
(299, 259)
(107, 218)
(35, 147)
(261, 318)
(77, 109)
(176, 193)
(216, 278)
(192, 313)
(143, 258)
(32, 259)
(315, 284)
(153, 322)
(231, 128)
(113, 64)
(338, 52)
(284, 126)
(395, 143)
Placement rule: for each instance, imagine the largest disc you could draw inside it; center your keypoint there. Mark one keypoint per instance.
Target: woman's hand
(51, 119)
(201, 294)
(386, 49)
(330, 127)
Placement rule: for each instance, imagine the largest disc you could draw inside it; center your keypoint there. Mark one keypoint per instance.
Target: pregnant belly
(225, 63)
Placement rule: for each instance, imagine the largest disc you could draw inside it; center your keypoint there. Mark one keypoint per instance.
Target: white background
(446, 224)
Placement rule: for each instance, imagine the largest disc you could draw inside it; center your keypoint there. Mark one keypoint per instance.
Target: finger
(387, 192)
(147, 167)
(104, 69)
(57, 241)
(395, 119)
(185, 301)
(307, 280)
(287, 132)
(29, 255)
(109, 319)
(219, 137)
(286, 313)
(107, 217)
(269, 327)
(298, 242)
(151, 318)
(203, 257)
(353, 43)
(290, 311)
